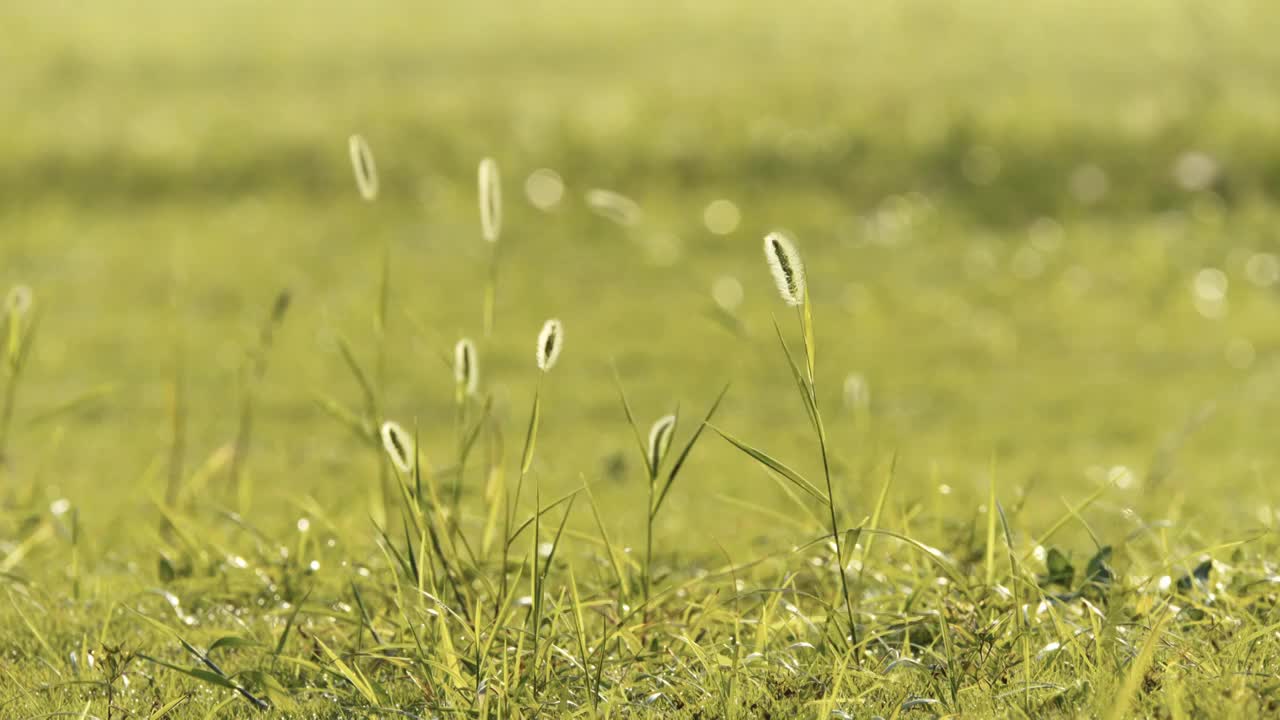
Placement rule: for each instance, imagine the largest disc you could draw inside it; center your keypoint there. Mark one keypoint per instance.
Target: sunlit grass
(281, 444)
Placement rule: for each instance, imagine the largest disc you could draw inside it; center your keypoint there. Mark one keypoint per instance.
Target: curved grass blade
(352, 675)
(524, 525)
(879, 509)
(214, 675)
(773, 465)
(79, 402)
(293, 618)
(531, 435)
(805, 387)
(366, 387)
(1138, 669)
(608, 546)
(361, 427)
(688, 448)
(631, 420)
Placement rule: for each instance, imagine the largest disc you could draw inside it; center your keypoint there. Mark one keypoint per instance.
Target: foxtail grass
(653, 454)
(367, 425)
(659, 442)
(489, 186)
(787, 269)
(466, 372)
(614, 206)
(550, 343)
(399, 446)
(466, 380)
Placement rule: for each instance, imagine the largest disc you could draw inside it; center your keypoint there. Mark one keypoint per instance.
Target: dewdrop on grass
(660, 440)
(365, 169)
(465, 370)
(399, 446)
(550, 341)
(786, 266)
(490, 199)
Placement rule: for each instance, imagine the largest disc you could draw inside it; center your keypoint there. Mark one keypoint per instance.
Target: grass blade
(774, 465)
(806, 325)
(991, 526)
(688, 448)
(531, 435)
(879, 509)
(805, 387)
(631, 420)
(366, 387)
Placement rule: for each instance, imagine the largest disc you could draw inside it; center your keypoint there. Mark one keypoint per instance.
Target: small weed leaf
(1060, 570)
(1098, 571)
(231, 641)
(1198, 576)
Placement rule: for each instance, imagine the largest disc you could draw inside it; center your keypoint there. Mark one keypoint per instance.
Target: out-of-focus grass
(1044, 235)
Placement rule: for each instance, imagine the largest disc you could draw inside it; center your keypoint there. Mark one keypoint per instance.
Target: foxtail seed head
(660, 440)
(18, 301)
(615, 206)
(363, 166)
(490, 200)
(786, 266)
(466, 373)
(550, 341)
(857, 395)
(399, 446)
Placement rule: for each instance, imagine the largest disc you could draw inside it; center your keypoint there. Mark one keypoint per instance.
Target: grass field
(1022, 465)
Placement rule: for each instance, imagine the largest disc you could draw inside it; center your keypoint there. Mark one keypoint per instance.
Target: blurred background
(1042, 234)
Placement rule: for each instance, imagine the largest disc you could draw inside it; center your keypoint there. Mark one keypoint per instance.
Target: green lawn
(1043, 256)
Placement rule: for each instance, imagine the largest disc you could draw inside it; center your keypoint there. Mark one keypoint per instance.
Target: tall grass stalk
(653, 453)
(19, 328)
(659, 442)
(787, 268)
(550, 343)
(424, 544)
(177, 430)
(251, 375)
(380, 366)
(365, 170)
(466, 377)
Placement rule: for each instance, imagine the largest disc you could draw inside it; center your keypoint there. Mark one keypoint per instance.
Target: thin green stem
(805, 314)
(648, 551)
(491, 293)
(835, 533)
(525, 458)
(6, 415)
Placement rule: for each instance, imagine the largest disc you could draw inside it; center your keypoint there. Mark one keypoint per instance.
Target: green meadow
(1010, 451)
